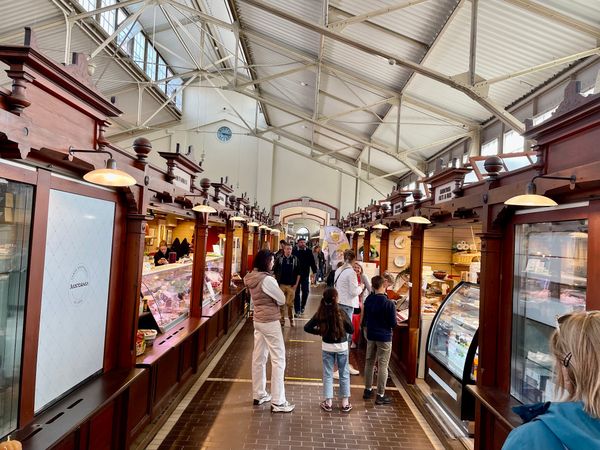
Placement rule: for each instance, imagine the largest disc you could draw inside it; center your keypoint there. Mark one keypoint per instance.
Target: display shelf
(549, 261)
(213, 279)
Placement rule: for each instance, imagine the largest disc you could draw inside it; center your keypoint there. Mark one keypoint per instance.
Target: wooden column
(244, 262)
(131, 287)
(355, 243)
(414, 316)
(255, 243)
(367, 247)
(199, 266)
(492, 371)
(228, 257)
(384, 250)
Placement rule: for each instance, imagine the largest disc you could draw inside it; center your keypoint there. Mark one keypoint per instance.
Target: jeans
(268, 341)
(299, 305)
(349, 310)
(380, 351)
(329, 359)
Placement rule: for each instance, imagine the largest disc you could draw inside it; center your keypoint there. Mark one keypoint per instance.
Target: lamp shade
(419, 220)
(201, 207)
(530, 198)
(349, 231)
(380, 226)
(253, 224)
(263, 227)
(237, 218)
(361, 230)
(110, 176)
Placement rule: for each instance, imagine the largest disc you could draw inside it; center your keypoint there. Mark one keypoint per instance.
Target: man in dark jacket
(287, 274)
(379, 319)
(306, 263)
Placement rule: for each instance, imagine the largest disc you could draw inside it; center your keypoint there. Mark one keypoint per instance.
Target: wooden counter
(494, 417)
(91, 417)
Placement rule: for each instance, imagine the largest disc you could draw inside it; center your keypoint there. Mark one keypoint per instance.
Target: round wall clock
(224, 134)
(399, 242)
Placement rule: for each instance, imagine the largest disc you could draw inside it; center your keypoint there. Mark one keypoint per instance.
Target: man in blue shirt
(379, 319)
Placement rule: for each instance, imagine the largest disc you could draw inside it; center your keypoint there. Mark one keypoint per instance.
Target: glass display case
(213, 279)
(451, 350)
(15, 229)
(550, 270)
(166, 290)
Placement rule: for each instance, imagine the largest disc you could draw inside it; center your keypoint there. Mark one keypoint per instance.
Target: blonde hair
(576, 347)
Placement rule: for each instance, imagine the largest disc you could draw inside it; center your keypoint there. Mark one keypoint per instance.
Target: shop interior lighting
(237, 218)
(361, 230)
(253, 223)
(263, 227)
(108, 176)
(349, 231)
(380, 226)
(531, 198)
(417, 218)
(204, 207)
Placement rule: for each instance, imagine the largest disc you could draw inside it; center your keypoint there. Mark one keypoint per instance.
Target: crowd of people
(279, 286)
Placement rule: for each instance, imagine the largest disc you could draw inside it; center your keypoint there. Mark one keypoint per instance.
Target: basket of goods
(149, 336)
(140, 343)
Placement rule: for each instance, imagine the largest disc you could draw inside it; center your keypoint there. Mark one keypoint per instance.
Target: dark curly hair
(262, 260)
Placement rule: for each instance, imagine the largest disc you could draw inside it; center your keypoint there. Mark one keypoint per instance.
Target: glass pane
(15, 228)
(213, 279)
(455, 327)
(516, 162)
(549, 281)
(151, 62)
(513, 142)
(490, 148)
(139, 48)
(107, 19)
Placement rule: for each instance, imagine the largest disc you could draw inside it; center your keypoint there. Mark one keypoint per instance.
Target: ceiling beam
(381, 29)
(353, 105)
(372, 14)
(274, 76)
(544, 66)
(556, 16)
(489, 105)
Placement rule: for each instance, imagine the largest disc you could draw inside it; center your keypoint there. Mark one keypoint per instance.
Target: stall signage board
(182, 179)
(74, 293)
(443, 192)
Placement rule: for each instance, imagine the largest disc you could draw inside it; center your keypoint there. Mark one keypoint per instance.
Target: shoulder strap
(338, 277)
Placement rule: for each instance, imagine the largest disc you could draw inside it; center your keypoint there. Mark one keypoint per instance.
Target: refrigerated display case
(451, 351)
(166, 290)
(550, 279)
(213, 279)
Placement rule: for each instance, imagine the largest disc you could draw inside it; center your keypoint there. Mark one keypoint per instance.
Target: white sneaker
(285, 407)
(352, 370)
(336, 375)
(260, 401)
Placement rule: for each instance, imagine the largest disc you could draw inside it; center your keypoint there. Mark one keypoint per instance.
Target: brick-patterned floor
(221, 415)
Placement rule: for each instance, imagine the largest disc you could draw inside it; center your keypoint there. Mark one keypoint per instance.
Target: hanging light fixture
(237, 218)
(361, 230)
(417, 218)
(349, 231)
(253, 223)
(380, 226)
(531, 198)
(204, 207)
(263, 227)
(108, 176)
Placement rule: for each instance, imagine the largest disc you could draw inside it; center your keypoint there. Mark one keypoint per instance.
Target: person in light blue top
(575, 423)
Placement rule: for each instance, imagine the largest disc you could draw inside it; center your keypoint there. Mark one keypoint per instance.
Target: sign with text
(443, 192)
(182, 179)
(74, 306)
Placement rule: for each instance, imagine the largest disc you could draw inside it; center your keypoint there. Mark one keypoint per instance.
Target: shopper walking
(319, 258)
(574, 423)
(346, 283)
(287, 274)
(306, 263)
(268, 338)
(281, 247)
(332, 325)
(379, 319)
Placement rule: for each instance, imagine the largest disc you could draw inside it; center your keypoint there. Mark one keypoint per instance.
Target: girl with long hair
(333, 325)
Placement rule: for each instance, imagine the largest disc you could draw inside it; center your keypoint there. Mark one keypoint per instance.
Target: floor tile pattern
(221, 415)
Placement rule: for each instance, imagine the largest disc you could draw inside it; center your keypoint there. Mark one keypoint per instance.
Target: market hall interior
(150, 150)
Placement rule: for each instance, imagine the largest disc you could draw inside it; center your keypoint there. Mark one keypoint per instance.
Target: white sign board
(74, 293)
(182, 179)
(443, 192)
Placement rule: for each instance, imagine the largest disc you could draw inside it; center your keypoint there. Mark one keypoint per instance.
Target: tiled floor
(220, 414)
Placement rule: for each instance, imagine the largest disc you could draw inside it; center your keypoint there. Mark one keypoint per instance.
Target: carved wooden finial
(142, 147)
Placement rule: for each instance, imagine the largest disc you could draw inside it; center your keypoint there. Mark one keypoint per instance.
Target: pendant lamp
(531, 198)
(108, 176)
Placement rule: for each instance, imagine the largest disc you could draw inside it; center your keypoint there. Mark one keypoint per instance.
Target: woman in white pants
(268, 337)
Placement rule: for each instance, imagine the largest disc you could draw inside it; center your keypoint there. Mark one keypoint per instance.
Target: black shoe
(383, 400)
(302, 312)
(367, 394)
